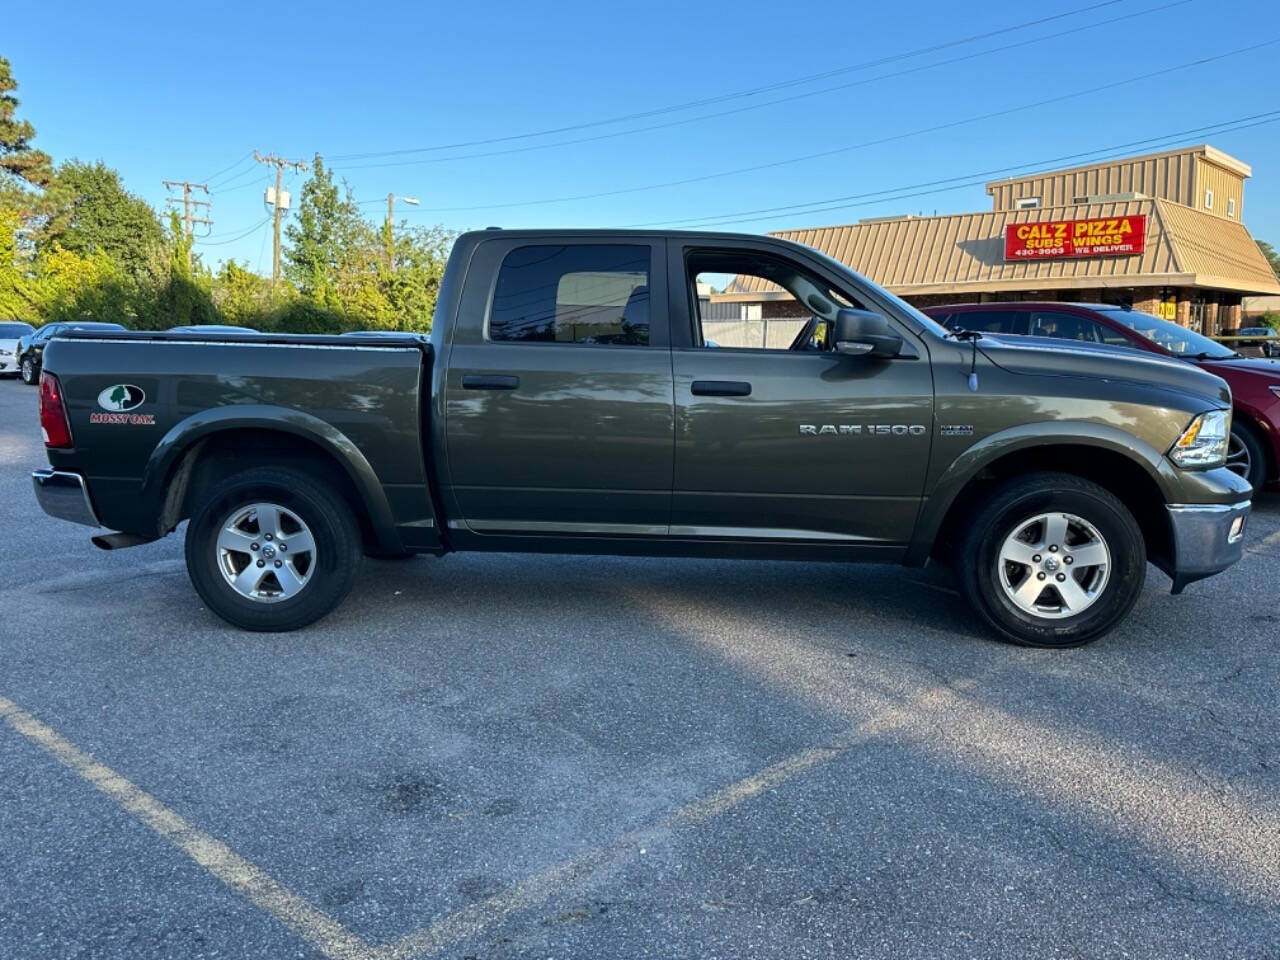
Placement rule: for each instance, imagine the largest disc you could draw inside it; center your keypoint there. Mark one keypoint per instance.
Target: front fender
(1024, 437)
(186, 434)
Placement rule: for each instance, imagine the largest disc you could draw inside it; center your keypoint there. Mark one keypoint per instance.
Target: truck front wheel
(1052, 560)
(272, 549)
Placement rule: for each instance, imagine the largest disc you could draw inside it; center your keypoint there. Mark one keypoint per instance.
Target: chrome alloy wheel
(1238, 459)
(1054, 565)
(265, 552)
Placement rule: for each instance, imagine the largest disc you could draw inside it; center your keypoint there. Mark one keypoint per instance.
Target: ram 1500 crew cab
(577, 395)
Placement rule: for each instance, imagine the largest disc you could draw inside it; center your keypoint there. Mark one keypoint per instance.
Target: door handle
(720, 388)
(490, 382)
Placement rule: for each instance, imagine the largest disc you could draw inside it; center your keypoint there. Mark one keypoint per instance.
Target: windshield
(1177, 340)
(11, 331)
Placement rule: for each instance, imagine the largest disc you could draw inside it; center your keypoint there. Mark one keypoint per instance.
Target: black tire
(29, 371)
(330, 521)
(1011, 505)
(1245, 441)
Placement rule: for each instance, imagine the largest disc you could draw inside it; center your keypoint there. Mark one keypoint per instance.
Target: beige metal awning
(963, 254)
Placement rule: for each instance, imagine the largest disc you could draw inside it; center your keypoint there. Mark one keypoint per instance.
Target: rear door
(778, 444)
(558, 412)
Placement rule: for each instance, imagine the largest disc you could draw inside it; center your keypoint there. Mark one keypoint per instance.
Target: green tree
(72, 286)
(15, 283)
(185, 293)
(1273, 258)
(88, 211)
(18, 159)
(412, 288)
(326, 234)
(240, 295)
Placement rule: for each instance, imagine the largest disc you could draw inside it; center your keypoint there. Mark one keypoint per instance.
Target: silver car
(10, 336)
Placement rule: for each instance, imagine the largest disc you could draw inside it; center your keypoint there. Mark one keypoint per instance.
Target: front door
(559, 406)
(778, 437)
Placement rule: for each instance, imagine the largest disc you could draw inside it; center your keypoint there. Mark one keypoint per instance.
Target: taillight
(53, 412)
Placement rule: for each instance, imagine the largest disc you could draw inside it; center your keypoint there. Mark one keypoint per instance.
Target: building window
(1027, 203)
(1231, 207)
(1208, 199)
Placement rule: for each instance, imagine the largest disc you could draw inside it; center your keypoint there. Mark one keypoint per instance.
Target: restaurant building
(1162, 233)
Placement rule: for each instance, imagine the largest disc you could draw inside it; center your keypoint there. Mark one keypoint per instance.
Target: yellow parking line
(263, 891)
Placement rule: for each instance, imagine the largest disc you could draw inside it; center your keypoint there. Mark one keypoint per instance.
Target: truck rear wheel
(1053, 560)
(272, 549)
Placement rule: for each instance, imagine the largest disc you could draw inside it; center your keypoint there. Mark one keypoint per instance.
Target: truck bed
(144, 407)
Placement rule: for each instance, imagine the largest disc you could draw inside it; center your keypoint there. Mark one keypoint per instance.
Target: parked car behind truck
(31, 346)
(566, 401)
(11, 335)
(1254, 447)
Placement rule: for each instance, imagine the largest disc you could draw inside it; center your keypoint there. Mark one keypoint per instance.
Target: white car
(10, 334)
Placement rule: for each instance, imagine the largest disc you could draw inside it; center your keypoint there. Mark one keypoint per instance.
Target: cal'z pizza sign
(1056, 239)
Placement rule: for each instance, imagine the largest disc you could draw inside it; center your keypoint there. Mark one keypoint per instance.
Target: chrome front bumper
(1207, 538)
(65, 496)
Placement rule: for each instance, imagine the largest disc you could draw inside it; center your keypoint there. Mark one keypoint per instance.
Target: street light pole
(388, 231)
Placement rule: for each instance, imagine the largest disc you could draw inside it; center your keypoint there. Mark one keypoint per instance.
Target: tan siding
(1171, 175)
(1224, 184)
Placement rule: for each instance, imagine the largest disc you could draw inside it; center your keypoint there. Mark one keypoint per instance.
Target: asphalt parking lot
(513, 756)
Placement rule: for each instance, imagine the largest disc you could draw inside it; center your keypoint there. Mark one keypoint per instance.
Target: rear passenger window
(989, 321)
(575, 293)
(1070, 326)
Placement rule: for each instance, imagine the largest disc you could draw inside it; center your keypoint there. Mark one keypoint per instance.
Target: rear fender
(186, 436)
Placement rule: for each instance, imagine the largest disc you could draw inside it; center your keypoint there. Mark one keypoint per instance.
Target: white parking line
(556, 880)
(263, 891)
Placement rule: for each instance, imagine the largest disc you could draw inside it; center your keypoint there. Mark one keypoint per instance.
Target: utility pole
(279, 203)
(188, 221)
(388, 234)
(390, 237)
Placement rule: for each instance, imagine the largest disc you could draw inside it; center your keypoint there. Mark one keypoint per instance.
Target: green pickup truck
(578, 395)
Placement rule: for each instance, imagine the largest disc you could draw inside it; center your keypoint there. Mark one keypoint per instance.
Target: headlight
(1204, 442)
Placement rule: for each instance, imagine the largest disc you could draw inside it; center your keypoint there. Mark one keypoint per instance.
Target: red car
(1254, 450)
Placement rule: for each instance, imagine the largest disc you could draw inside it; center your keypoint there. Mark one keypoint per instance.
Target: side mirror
(861, 333)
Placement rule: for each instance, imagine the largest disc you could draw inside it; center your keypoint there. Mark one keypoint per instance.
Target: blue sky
(165, 91)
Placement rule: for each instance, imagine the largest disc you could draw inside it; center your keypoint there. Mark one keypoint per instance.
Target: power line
(215, 176)
(949, 125)
(720, 222)
(761, 106)
(739, 94)
(240, 236)
(964, 180)
(256, 182)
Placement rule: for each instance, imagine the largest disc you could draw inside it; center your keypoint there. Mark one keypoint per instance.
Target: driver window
(744, 300)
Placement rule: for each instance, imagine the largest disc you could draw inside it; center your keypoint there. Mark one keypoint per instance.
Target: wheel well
(210, 460)
(1112, 471)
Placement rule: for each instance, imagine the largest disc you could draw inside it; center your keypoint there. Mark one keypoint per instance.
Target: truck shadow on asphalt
(477, 718)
